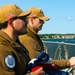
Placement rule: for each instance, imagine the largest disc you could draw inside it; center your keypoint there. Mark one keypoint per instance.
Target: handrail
(70, 70)
(58, 42)
(59, 48)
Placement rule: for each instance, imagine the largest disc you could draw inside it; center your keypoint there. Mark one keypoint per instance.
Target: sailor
(32, 41)
(13, 55)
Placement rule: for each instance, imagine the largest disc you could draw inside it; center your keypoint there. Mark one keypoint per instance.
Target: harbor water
(60, 48)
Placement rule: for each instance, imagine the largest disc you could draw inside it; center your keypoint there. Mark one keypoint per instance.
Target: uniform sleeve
(7, 62)
(61, 64)
(30, 45)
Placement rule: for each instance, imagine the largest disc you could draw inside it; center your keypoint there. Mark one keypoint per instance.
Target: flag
(41, 61)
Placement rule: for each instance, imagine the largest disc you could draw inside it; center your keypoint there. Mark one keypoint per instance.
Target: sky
(60, 12)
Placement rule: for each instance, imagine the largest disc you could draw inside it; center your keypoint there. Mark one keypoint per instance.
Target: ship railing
(61, 50)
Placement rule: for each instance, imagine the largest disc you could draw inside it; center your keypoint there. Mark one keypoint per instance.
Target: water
(60, 48)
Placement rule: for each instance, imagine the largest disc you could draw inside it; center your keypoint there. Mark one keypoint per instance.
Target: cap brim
(44, 18)
(26, 13)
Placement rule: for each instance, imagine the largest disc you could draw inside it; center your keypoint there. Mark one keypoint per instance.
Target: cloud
(69, 18)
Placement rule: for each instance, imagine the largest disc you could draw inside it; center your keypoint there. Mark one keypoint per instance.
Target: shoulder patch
(10, 61)
(37, 47)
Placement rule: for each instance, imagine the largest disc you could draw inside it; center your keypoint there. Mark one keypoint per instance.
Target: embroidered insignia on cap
(33, 15)
(41, 11)
(10, 16)
(10, 61)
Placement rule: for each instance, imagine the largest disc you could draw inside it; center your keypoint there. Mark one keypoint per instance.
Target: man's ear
(31, 20)
(10, 21)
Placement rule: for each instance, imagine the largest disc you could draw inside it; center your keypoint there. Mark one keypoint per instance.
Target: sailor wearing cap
(31, 40)
(13, 55)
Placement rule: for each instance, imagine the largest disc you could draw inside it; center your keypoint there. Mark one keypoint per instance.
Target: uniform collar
(29, 28)
(4, 37)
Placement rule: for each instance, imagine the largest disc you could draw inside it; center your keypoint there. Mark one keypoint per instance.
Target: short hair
(3, 25)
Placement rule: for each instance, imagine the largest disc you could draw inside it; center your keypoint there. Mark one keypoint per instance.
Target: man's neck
(10, 34)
